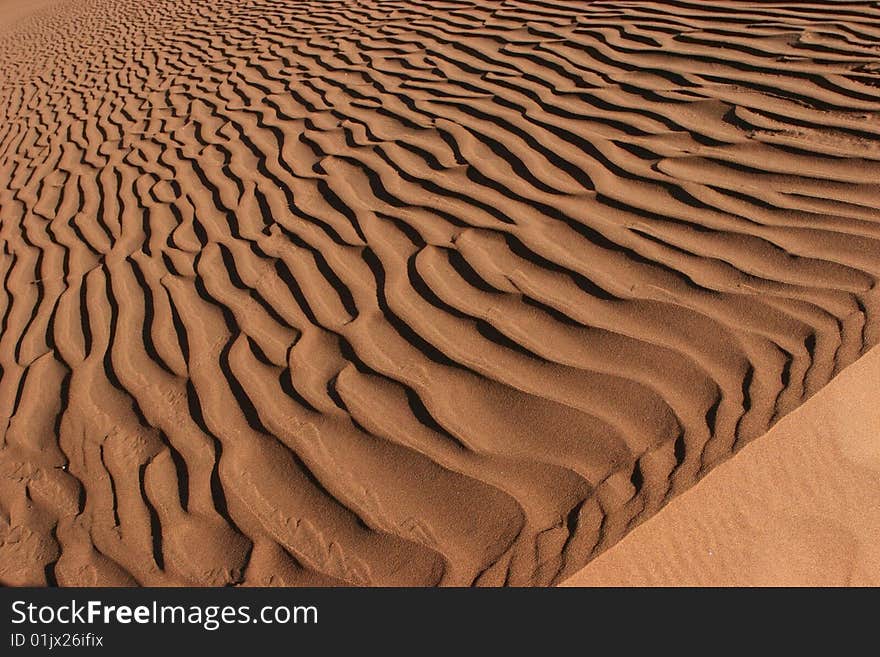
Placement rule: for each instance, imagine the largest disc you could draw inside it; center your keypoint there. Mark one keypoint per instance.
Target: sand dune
(413, 293)
(796, 507)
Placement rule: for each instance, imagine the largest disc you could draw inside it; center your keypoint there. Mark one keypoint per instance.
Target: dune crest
(794, 508)
(413, 293)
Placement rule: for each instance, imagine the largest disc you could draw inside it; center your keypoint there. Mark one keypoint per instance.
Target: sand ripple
(398, 292)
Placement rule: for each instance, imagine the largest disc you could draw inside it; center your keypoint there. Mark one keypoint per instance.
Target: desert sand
(413, 293)
(797, 507)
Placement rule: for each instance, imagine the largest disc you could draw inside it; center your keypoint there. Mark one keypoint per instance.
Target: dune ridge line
(793, 508)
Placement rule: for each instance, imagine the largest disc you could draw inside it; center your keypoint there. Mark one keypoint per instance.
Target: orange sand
(415, 292)
(797, 507)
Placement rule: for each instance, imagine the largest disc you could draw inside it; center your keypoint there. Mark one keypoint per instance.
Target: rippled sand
(412, 293)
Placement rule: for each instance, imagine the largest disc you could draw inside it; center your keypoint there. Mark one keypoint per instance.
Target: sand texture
(378, 292)
(797, 507)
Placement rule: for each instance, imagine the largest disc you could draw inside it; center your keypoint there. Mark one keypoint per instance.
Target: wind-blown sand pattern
(796, 508)
(412, 293)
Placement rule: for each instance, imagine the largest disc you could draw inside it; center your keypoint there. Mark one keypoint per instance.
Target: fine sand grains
(412, 292)
(798, 507)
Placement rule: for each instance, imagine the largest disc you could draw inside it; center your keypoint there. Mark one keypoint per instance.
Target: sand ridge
(795, 507)
(413, 293)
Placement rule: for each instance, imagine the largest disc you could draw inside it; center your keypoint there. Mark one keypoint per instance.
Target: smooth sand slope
(413, 293)
(796, 507)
